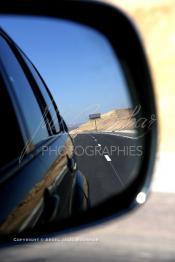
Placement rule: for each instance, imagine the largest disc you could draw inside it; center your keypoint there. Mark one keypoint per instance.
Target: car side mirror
(104, 165)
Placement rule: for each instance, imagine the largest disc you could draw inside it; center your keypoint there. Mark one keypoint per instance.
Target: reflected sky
(76, 62)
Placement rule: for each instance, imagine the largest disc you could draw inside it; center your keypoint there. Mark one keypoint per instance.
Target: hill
(118, 119)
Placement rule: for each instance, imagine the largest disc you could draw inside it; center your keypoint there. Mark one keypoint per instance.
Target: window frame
(34, 149)
(52, 125)
(16, 105)
(36, 91)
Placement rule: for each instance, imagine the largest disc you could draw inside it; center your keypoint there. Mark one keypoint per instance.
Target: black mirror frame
(122, 35)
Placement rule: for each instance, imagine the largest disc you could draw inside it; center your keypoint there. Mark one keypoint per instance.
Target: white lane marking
(95, 140)
(130, 131)
(117, 174)
(119, 135)
(99, 145)
(107, 158)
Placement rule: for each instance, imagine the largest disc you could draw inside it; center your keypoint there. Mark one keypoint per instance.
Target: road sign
(95, 116)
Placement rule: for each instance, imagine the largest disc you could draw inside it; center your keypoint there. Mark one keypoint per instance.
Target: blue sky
(76, 62)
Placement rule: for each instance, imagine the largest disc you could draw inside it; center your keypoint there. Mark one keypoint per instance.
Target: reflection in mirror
(101, 155)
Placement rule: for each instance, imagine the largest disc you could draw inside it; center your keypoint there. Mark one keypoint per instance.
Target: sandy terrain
(115, 120)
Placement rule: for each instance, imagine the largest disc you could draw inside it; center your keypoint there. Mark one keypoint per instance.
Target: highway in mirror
(90, 88)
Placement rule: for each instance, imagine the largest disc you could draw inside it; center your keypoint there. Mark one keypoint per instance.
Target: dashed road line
(114, 169)
(107, 158)
(117, 175)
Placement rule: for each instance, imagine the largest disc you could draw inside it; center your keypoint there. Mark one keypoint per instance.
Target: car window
(23, 94)
(10, 150)
(44, 92)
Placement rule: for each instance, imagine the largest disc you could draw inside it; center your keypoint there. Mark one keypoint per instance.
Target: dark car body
(39, 178)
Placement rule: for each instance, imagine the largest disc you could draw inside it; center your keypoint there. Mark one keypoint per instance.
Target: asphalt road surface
(109, 162)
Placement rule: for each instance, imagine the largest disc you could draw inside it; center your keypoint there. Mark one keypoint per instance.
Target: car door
(60, 153)
(37, 170)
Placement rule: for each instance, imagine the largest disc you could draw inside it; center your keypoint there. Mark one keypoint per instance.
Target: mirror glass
(101, 155)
